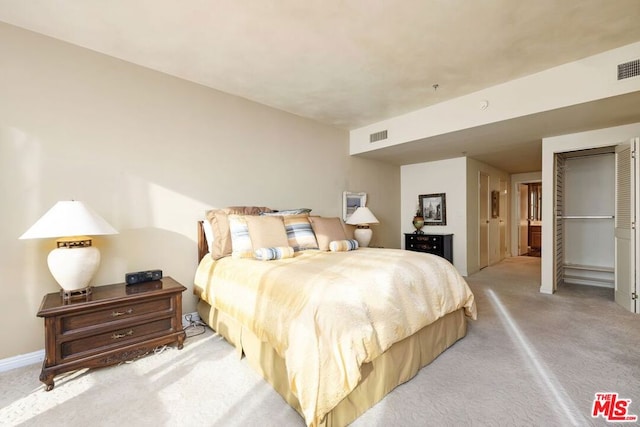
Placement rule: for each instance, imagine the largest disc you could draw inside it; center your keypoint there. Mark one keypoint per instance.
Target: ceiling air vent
(629, 69)
(378, 136)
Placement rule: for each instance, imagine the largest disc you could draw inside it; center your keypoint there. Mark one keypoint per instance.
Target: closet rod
(586, 217)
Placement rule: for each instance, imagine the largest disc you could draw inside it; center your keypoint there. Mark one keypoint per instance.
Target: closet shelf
(593, 281)
(589, 267)
(586, 217)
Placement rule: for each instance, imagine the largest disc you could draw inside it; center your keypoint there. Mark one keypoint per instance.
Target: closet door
(625, 223)
(558, 222)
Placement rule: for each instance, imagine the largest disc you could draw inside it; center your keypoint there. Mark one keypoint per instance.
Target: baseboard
(21, 360)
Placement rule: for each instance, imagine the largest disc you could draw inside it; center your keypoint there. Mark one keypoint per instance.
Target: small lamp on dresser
(74, 261)
(361, 218)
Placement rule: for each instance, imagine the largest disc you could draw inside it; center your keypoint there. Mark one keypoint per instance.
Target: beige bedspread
(327, 313)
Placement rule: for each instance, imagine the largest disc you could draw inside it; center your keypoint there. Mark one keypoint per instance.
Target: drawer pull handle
(121, 313)
(122, 335)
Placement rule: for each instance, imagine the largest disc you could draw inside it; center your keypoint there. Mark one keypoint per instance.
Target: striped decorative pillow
(299, 232)
(343, 245)
(241, 246)
(268, 254)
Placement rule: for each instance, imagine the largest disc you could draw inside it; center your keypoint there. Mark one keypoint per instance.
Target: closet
(584, 217)
(591, 183)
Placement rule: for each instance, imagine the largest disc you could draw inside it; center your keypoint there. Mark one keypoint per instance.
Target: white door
(483, 205)
(523, 226)
(625, 223)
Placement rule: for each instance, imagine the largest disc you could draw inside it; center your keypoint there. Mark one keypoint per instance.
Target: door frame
(517, 215)
(483, 257)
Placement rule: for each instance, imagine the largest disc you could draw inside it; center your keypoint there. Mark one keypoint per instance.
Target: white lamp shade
(69, 218)
(361, 216)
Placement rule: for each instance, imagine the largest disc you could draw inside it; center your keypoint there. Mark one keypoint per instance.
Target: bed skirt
(395, 366)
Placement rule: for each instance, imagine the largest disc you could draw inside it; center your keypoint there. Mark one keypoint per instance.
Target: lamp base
(73, 267)
(84, 293)
(363, 236)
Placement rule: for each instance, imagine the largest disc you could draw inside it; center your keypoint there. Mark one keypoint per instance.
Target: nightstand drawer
(119, 312)
(116, 337)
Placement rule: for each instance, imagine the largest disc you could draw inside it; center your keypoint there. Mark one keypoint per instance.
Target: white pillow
(208, 234)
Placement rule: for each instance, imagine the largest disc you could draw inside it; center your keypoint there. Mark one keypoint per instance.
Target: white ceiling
(352, 63)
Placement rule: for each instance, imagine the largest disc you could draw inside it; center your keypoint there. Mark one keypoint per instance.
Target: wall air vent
(378, 136)
(629, 69)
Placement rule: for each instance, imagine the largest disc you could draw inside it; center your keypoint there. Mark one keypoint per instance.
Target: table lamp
(74, 261)
(361, 218)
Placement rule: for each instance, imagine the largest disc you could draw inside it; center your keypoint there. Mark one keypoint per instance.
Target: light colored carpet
(529, 360)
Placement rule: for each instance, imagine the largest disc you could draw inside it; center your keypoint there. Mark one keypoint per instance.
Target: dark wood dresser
(437, 244)
(113, 324)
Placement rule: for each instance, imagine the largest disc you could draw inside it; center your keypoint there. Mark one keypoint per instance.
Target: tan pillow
(220, 226)
(348, 230)
(267, 231)
(327, 230)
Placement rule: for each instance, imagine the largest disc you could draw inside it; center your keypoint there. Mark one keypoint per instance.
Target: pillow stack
(219, 220)
(260, 233)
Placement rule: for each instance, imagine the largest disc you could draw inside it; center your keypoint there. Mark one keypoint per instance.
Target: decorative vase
(418, 223)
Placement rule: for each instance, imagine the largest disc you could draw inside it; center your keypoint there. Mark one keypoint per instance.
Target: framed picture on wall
(352, 201)
(433, 208)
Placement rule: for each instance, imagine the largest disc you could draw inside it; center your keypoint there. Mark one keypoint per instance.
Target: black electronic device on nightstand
(142, 276)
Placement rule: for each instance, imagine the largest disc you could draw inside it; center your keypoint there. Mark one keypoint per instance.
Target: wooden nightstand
(437, 244)
(113, 324)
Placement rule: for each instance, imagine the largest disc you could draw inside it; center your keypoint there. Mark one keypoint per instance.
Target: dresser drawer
(426, 239)
(119, 312)
(116, 337)
(436, 244)
(424, 243)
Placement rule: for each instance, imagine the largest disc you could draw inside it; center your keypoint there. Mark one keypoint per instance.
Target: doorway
(530, 219)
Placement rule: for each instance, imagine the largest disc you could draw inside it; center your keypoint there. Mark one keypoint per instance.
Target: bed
(333, 331)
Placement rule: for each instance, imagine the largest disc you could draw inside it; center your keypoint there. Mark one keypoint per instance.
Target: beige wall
(458, 179)
(149, 152)
(444, 176)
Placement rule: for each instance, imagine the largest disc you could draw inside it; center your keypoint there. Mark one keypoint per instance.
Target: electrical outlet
(190, 318)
